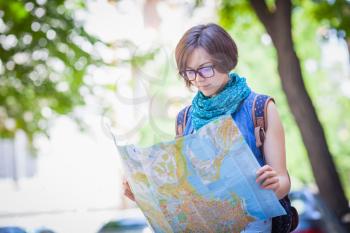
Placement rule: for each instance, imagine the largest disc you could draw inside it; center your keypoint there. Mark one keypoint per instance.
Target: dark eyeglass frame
(197, 71)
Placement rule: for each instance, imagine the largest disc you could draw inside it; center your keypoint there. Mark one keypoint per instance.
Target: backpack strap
(259, 114)
(181, 120)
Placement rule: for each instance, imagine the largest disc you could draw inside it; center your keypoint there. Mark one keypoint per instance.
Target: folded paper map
(203, 182)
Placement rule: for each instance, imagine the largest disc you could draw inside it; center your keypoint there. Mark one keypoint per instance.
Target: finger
(270, 181)
(125, 182)
(265, 176)
(130, 195)
(273, 187)
(263, 169)
(125, 186)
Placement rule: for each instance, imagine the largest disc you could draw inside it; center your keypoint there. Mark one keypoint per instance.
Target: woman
(205, 56)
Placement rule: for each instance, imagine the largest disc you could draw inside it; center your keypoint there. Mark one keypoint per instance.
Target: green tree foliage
(333, 14)
(44, 55)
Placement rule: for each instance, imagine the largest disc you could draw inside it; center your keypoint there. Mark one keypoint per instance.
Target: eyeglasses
(204, 72)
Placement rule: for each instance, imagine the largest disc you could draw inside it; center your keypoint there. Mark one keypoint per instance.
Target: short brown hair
(214, 40)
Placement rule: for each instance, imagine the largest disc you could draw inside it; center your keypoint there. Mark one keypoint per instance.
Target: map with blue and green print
(203, 182)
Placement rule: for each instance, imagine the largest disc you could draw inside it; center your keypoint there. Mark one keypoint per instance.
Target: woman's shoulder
(181, 119)
(183, 112)
(182, 116)
(253, 102)
(255, 98)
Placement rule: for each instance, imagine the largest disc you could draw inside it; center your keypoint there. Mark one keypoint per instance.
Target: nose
(199, 78)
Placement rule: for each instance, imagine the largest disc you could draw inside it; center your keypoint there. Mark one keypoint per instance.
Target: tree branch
(263, 13)
(283, 9)
(277, 22)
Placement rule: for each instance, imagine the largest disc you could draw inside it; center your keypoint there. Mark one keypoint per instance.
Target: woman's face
(211, 86)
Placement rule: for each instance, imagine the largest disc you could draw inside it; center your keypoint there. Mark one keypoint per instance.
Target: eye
(206, 71)
(190, 73)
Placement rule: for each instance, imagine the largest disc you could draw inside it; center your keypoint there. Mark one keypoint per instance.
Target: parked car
(126, 225)
(15, 229)
(314, 216)
(12, 229)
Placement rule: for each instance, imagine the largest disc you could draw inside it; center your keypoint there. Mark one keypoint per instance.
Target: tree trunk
(278, 26)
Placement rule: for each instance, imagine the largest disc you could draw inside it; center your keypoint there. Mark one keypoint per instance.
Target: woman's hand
(127, 190)
(267, 178)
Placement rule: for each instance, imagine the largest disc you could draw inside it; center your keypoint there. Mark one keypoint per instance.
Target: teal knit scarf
(205, 109)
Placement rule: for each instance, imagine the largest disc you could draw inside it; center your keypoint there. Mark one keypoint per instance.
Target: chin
(207, 94)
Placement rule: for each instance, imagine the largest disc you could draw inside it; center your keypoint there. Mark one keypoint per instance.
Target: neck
(220, 88)
(226, 101)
